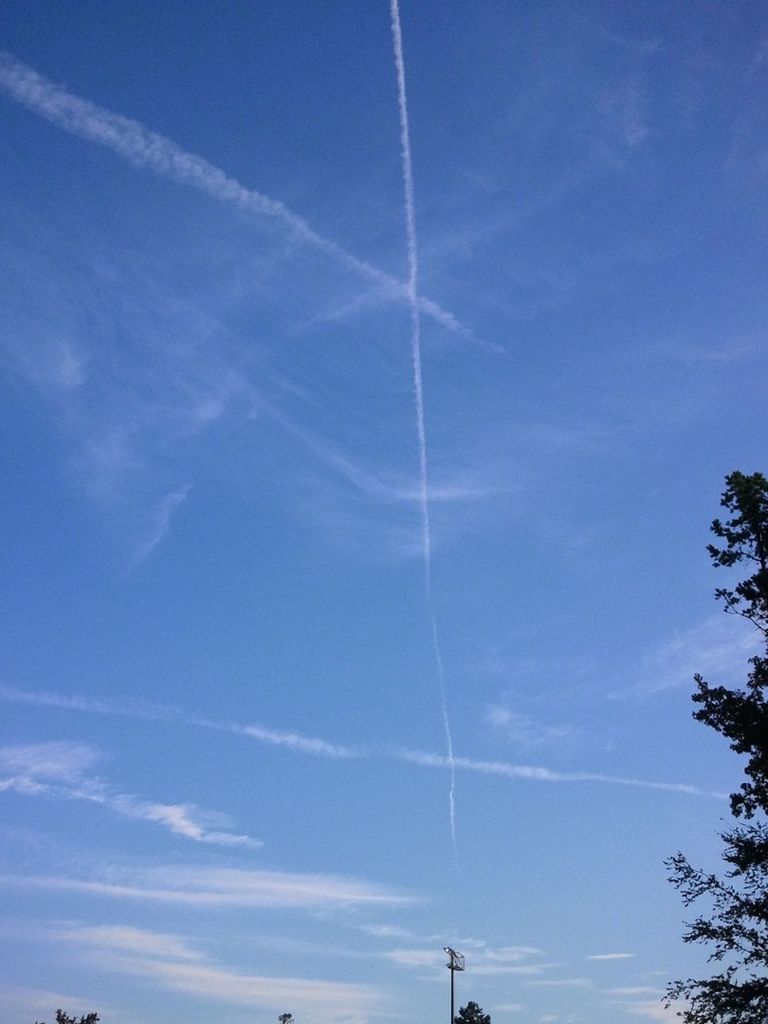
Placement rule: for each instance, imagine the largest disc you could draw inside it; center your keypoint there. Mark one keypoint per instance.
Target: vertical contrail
(413, 302)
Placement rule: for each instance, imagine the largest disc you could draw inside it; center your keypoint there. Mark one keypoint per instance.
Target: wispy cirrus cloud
(524, 731)
(89, 705)
(173, 963)
(632, 990)
(653, 1009)
(465, 485)
(610, 956)
(560, 983)
(622, 110)
(355, 499)
(314, 746)
(57, 771)
(389, 931)
(37, 1002)
(56, 365)
(59, 760)
(718, 648)
(486, 960)
(290, 740)
(222, 887)
(148, 150)
(160, 522)
(296, 741)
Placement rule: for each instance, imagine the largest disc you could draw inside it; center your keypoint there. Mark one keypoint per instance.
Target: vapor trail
(413, 301)
(145, 149)
(301, 744)
(168, 713)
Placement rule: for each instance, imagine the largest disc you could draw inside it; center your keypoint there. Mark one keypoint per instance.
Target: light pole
(455, 963)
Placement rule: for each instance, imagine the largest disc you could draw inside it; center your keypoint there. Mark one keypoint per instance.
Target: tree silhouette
(736, 926)
(64, 1018)
(472, 1014)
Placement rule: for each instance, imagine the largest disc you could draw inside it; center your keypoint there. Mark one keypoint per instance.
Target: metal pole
(455, 963)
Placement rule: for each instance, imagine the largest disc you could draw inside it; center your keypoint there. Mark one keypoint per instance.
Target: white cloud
(718, 649)
(56, 770)
(172, 963)
(631, 990)
(19, 784)
(87, 705)
(484, 960)
(510, 953)
(221, 887)
(163, 713)
(33, 1003)
(466, 485)
(185, 820)
(523, 730)
(160, 521)
(56, 760)
(386, 931)
(54, 363)
(560, 983)
(130, 940)
(417, 957)
(325, 748)
(518, 969)
(295, 741)
(610, 956)
(654, 1010)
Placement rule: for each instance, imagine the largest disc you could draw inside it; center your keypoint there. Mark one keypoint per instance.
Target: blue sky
(224, 763)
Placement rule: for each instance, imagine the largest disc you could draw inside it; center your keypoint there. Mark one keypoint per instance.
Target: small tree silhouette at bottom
(285, 1018)
(64, 1018)
(472, 1014)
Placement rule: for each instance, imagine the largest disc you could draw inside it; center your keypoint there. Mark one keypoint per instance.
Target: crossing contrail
(137, 145)
(418, 390)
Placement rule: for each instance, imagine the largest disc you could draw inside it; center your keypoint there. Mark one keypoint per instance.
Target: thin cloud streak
(536, 773)
(160, 523)
(413, 293)
(129, 940)
(324, 748)
(387, 489)
(223, 887)
(487, 961)
(37, 1002)
(89, 706)
(151, 151)
(177, 818)
(60, 760)
(174, 963)
(718, 648)
(56, 771)
(295, 741)
(162, 713)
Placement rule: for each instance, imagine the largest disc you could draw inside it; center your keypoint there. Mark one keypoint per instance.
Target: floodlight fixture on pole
(455, 963)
